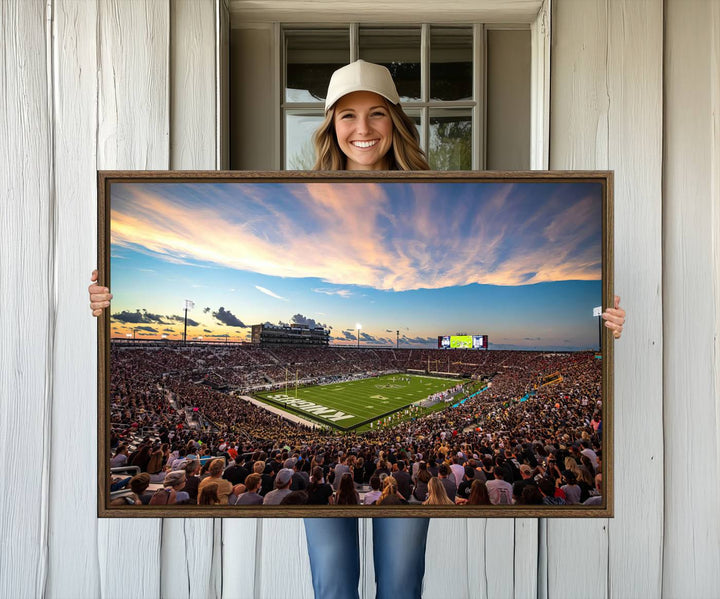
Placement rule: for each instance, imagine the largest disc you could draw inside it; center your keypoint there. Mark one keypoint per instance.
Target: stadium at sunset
(311, 331)
(519, 262)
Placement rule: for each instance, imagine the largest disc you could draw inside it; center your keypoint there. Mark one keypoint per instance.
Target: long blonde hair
(390, 487)
(437, 494)
(405, 154)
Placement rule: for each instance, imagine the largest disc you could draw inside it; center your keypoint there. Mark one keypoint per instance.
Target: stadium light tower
(597, 312)
(189, 305)
(358, 326)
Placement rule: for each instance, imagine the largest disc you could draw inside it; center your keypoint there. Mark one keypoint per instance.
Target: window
(436, 71)
(467, 87)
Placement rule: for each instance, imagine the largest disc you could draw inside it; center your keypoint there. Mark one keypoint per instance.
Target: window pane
(415, 117)
(508, 100)
(450, 145)
(311, 58)
(299, 149)
(399, 51)
(451, 56)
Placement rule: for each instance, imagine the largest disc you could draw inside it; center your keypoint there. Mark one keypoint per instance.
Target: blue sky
(520, 262)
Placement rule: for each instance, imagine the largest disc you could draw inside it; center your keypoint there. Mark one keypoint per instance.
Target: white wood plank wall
(606, 112)
(691, 302)
(579, 99)
(118, 84)
(73, 544)
(27, 210)
(191, 559)
(133, 133)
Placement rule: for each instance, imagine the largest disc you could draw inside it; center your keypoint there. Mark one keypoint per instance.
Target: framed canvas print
(355, 344)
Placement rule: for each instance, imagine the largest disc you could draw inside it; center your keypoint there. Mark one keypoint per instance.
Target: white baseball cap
(361, 76)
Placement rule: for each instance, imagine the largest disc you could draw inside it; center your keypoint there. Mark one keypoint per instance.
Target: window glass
(451, 63)
(299, 149)
(399, 51)
(434, 68)
(450, 146)
(434, 71)
(508, 100)
(310, 59)
(415, 117)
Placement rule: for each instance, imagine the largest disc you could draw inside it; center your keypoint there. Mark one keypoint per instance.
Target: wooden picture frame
(518, 259)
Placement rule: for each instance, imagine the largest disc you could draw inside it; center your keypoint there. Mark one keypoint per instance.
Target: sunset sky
(520, 262)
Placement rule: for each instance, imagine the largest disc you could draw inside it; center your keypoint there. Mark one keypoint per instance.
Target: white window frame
(476, 107)
(536, 15)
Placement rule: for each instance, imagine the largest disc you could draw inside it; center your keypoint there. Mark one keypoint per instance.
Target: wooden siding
(690, 298)
(606, 113)
(634, 87)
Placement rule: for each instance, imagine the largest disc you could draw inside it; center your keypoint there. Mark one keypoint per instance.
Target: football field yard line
(353, 397)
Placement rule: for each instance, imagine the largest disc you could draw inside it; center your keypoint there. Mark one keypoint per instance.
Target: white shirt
(371, 496)
(500, 492)
(459, 472)
(592, 455)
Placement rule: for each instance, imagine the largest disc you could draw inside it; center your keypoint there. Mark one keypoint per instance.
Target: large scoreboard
(462, 342)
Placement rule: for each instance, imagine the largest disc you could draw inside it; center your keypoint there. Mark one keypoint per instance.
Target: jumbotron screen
(462, 342)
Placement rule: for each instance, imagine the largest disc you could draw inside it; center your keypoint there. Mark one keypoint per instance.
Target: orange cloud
(344, 239)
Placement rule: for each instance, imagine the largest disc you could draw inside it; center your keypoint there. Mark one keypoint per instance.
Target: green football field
(349, 404)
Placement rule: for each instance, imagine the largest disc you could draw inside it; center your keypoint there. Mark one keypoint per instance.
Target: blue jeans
(398, 553)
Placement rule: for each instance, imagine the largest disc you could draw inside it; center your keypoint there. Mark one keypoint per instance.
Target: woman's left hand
(615, 318)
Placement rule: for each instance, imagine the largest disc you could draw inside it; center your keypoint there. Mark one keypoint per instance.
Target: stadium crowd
(533, 437)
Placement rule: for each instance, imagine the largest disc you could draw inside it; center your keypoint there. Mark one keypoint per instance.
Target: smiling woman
(372, 87)
(364, 131)
(389, 238)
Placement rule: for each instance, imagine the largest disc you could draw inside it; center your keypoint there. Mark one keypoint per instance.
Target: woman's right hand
(99, 296)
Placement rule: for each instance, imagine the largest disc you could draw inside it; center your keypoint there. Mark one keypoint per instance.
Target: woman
(359, 471)
(479, 494)
(585, 481)
(364, 126)
(588, 465)
(390, 494)
(141, 458)
(209, 495)
(420, 491)
(382, 470)
(121, 456)
(570, 487)
(346, 494)
(266, 479)
(487, 468)
(437, 495)
(364, 129)
(572, 466)
(319, 492)
(224, 487)
(172, 492)
(156, 459)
